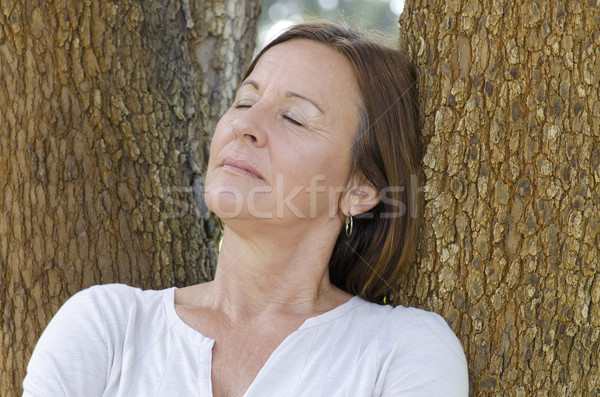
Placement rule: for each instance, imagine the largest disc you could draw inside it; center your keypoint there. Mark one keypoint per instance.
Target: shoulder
(93, 304)
(98, 312)
(431, 333)
(403, 324)
(85, 338)
(110, 299)
(102, 294)
(110, 310)
(429, 353)
(99, 316)
(426, 326)
(107, 292)
(421, 354)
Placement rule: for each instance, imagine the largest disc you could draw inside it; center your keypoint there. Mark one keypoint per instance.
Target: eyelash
(293, 121)
(285, 116)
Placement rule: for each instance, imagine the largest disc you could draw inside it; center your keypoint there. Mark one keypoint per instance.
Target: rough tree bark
(105, 113)
(510, 246)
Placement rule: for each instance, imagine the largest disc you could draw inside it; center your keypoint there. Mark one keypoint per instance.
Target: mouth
(241, 167)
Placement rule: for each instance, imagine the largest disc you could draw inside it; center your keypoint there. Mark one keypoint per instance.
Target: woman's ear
(360, 197)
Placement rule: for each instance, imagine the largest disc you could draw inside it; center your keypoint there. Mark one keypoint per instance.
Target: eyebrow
(288, 94)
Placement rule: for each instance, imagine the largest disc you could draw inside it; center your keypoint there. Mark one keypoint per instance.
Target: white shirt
(115, 340)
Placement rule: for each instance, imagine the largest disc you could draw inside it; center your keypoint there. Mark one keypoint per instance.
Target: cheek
(332, 164)
(315, 168)
(217, 143)
(220, 138)
(223, 200)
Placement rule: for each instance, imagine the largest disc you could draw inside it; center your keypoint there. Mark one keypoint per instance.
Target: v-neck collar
(196, 338)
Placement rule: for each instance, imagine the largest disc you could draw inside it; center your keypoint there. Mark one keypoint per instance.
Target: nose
(249, 125)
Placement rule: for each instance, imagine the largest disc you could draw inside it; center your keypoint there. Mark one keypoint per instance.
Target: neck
(286, 273)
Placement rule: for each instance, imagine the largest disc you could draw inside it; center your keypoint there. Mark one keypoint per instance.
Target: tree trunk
(106, 109)
(510, 247)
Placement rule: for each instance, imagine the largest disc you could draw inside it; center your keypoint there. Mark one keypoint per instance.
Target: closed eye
(292, 120)
(243, 103)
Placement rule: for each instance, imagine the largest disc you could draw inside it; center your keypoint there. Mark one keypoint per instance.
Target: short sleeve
(72, 356)
(428, 360)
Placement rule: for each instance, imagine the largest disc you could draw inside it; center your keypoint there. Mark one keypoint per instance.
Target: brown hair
(386, 152)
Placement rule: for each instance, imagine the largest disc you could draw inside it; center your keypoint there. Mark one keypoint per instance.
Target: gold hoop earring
(349, 224)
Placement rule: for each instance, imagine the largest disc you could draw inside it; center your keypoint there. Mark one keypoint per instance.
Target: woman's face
(283, 150)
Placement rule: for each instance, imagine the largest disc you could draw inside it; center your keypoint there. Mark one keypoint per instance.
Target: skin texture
(261, 131)
(294, 118)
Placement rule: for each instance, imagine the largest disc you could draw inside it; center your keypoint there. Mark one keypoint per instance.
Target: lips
(241, 167)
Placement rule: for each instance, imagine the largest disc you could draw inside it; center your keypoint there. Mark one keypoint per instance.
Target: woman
(310, 171)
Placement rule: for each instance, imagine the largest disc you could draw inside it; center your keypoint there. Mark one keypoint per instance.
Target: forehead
(312, 68)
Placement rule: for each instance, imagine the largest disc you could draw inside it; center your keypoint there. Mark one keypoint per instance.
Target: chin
(224, 203)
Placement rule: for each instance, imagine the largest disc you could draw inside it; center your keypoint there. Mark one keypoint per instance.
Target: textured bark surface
(510, 247)
(105, 113)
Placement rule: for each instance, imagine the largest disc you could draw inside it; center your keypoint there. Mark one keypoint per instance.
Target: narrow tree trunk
(106, 109)
(510, 246)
